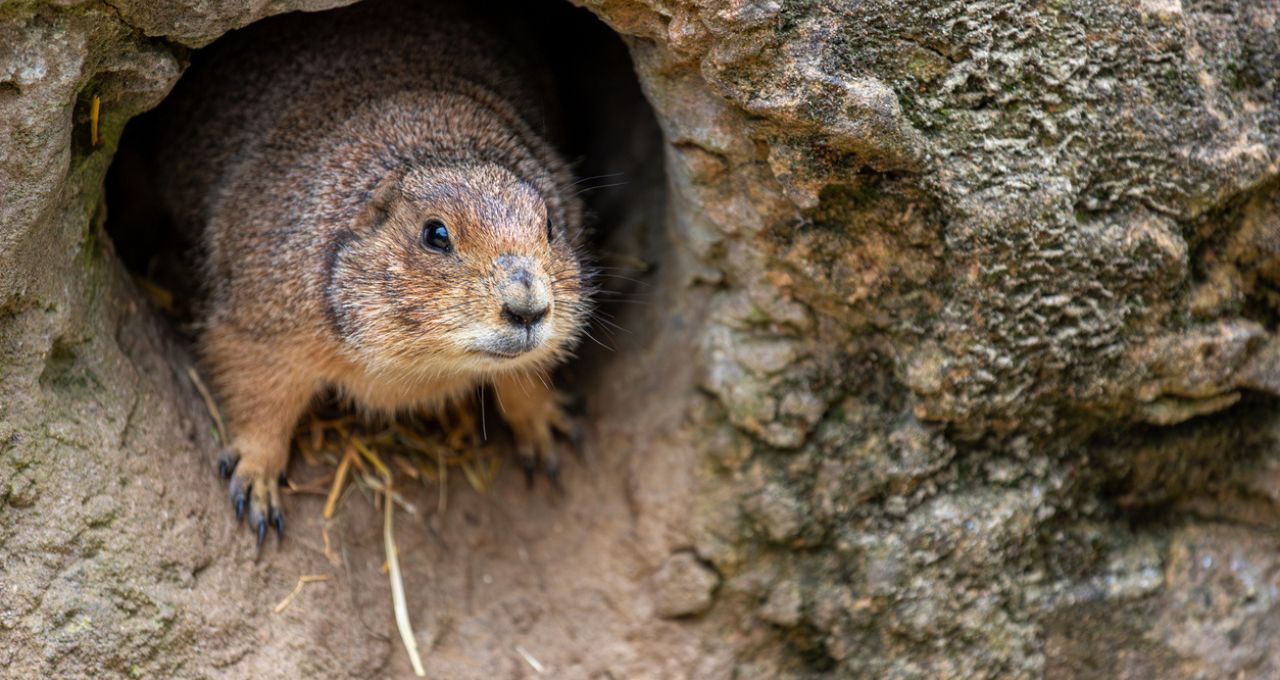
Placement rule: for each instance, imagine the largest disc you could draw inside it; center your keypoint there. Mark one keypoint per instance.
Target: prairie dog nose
(526, 298)
(523, 316)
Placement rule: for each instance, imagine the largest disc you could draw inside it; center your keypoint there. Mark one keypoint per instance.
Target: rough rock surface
(683, 586)
(981, 300)
(992, 353)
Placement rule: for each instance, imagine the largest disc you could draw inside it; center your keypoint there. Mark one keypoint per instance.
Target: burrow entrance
(499, 577)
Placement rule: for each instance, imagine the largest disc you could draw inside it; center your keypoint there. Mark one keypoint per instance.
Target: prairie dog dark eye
(551, 231)
(436, 236)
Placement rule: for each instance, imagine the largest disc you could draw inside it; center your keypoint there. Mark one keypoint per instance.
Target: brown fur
(308, 153)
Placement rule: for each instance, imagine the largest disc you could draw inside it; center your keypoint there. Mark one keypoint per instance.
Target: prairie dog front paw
(254, 485)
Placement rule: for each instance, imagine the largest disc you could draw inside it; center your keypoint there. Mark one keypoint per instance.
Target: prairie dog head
(458, 269)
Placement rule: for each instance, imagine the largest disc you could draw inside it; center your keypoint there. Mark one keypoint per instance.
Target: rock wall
(993, 338)
(115, 557)
(982, 300)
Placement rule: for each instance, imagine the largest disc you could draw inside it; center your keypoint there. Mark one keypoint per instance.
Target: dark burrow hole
(606, 130)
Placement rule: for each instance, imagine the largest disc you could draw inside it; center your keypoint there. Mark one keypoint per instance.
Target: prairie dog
(379, 212)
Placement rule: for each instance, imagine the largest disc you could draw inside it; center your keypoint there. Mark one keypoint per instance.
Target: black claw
(277, 518)
(262, 531)
(553, 474)
(227, 461)
(530, 465)
(239, 488)
(282, 480)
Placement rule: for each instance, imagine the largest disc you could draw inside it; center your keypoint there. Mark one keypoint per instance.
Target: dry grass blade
(339, 478)
(528, 658)
(443, 498)
(373, 458)
(474, 477)
(329, 554)
(395, 496)
(406, 467)
(95, 109)
(297, 588)
(210, 404)
(159, 295)
(397, 585)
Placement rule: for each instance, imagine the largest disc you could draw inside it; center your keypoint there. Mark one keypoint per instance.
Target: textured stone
(683, 586)
(783, 606)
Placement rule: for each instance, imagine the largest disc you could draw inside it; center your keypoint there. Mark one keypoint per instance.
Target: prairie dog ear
(381, 200)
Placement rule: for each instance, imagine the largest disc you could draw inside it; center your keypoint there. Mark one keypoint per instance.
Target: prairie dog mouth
(510, 345)
(498, 355)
